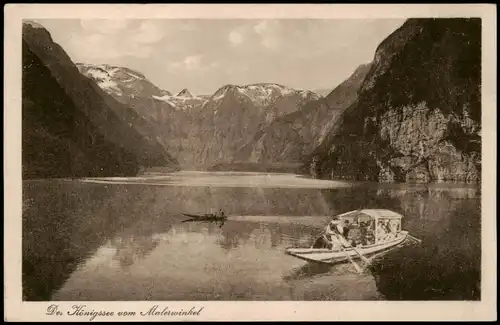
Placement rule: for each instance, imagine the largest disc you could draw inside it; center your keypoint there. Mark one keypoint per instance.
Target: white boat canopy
(385, 225)
(381, 213)
(374, 213)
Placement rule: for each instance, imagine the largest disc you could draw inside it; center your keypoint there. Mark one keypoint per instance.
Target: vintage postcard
(250, 162)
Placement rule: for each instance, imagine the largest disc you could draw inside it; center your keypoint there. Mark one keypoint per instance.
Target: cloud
(174, 65)
(98, 48)
(270, 32)
(103, 39)
(270, 43)
(148, 32)
(192, 62)
(103, 26)
(260, 27)
(202, 54)
(235, 37)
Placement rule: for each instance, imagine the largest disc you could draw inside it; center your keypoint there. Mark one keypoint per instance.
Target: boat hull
(327, 256)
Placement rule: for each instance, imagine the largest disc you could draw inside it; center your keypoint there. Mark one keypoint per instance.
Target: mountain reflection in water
(100, 241)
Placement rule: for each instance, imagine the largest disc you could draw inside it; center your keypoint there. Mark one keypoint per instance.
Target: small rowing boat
(220, 218)
(366, 232)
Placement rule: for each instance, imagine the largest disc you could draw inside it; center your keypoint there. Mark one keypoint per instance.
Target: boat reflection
(307, 270)
(132, 249)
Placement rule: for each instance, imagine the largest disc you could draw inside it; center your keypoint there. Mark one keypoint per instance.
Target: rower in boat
(220, 218)
(335, 234)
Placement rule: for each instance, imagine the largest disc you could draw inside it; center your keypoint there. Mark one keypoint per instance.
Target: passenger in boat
(325, 241)
(354, 235)
(380, 231)
(330, 233)
(388, 227)
(334, 233)
(345, 231)
(370, 234)
(321, 242)
(363, 227)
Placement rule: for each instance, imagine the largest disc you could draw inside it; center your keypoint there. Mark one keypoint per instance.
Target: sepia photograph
(247, 159)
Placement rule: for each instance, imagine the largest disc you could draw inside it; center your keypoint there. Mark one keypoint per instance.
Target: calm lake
(122, 239)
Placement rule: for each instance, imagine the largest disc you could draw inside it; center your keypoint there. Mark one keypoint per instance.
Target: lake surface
(122, 239)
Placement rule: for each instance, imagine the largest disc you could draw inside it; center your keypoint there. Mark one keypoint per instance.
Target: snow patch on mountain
(120, 81)
(104, 80)
(109, 85)
(263, 93)
(185, 94)
(134, 75)
(33, 24)
(181, 102)
(308, 94)
(165, 99)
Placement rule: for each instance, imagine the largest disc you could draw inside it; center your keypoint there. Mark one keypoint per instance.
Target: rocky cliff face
(234, 114)
(70, 126)
(418, 114)
(294, 136)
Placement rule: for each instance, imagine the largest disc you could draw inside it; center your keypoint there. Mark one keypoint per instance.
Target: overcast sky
(203, 55)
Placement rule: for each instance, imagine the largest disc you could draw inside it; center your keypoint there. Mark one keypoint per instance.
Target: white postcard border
(17, 310)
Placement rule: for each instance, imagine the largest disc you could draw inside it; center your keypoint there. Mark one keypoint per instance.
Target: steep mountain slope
(323, 91)
(71, 127)
(418, 115)
(58, 139)
(294, 136)
(170, 116)
(185, 93)
(234, 114)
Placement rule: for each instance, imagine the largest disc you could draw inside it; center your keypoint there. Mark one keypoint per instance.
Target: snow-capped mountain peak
(185, 93)
(120, 81)
(182, 100)
(33, 24)
(262, 93)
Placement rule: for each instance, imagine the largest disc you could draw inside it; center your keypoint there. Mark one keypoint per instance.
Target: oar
(189, 220)
(358, 268)
(414, 238)
(363, 258)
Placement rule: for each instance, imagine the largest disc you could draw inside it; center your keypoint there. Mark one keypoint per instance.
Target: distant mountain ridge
(262, 93)
(200, 122)
(234, 114)
(133, 88)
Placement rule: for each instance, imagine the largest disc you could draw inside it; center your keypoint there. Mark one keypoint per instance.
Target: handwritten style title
(155, 310)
